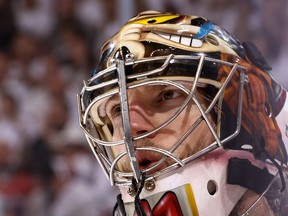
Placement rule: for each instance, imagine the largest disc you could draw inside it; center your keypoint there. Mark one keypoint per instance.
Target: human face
(149, 107)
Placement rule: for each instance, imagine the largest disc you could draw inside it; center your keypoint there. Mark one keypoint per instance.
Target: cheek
(169, 135)
(186, 119)
(181, 123)
(197, 140)
(200, 138)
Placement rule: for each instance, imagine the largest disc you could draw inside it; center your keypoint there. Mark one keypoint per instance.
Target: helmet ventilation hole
(151, 21)
(211, 187)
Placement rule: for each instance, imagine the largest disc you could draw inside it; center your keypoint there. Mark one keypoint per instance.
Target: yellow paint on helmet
(154, 20)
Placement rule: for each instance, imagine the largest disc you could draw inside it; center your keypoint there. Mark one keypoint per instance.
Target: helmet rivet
(277, 202)
(130, 57)
(112, 61)
(131, 190)
(267, 110)
(150, 185)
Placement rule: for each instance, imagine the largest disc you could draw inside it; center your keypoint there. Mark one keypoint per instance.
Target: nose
(140, 120)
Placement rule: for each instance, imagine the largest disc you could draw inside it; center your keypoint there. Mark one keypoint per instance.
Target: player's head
(177, 99)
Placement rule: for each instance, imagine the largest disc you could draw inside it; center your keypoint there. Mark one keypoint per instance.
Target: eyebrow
(150, 88)
(116, 97)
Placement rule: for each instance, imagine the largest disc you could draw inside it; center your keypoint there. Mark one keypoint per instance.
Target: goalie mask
(186, 120)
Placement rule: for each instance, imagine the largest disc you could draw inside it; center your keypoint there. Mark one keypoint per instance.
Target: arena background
(47, 47)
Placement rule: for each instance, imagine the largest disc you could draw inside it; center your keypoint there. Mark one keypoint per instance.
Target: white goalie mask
(186, 120)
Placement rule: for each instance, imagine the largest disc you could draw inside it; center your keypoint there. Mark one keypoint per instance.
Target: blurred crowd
(47, 48)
